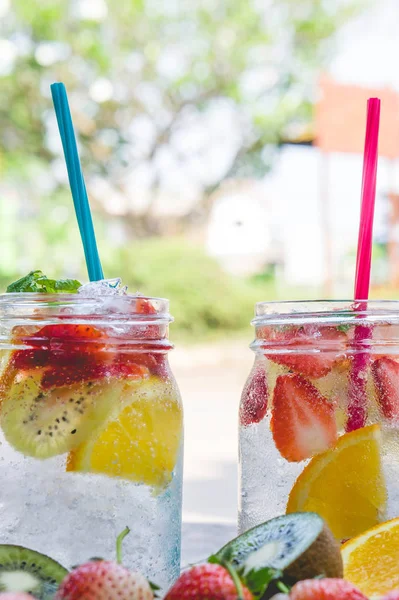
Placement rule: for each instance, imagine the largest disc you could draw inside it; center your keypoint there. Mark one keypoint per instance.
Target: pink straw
(357, 409)
(364, 242)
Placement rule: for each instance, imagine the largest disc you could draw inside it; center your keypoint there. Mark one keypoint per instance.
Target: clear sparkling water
(73, 517)
(266, 478)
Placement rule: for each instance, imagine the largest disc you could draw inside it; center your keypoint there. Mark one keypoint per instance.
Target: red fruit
(325, 589)
(67, 344)
(147, 359)
(70, 331)
(65, 375)
(308, 363)
(144, 307)
(385, 372)
(205, 582)
(104, 580)
(29, 359)
(254, 399)
(303, 422)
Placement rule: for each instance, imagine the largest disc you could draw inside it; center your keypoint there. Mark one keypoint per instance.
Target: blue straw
(76, 181)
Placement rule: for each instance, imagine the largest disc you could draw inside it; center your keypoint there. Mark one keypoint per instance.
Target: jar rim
(27, 305)
(29, 296)
(323, 311)
(123, 312)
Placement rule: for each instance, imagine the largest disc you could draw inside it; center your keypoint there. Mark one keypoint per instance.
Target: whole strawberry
(206, 582)
(104, 580)
(325, 589)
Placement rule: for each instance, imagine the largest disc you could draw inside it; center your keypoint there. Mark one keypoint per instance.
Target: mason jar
(319, 414)
(91, 430)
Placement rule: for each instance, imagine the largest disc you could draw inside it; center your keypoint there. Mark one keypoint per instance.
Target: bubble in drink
(104, 287)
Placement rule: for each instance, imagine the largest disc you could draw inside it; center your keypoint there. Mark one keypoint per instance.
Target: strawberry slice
(67, 344)
(64, 375)
(71, 338)
(385, 373)
(25, 360)
(144, 307)
(254, 399)
(150, 332)
(320, 348)
(302, 422)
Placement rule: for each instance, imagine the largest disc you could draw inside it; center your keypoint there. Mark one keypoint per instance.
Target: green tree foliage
(144, 76)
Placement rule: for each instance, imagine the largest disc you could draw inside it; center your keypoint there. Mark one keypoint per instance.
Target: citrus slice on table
(371, 559)
(344, 485)
(140, 442)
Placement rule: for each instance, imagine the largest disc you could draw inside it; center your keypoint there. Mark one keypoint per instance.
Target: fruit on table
(300, 545)
(44, 423)
(104, 580)
(312, 351)
(303, 421)
(205, 582)
(385, 372)
(253, 405)
(140, 441)
(344, 485)
(371, 559)
(325, 589)
(24, 570)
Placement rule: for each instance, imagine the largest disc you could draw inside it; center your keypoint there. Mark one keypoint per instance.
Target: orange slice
(140, 442)
(344, 485)
(371, 559)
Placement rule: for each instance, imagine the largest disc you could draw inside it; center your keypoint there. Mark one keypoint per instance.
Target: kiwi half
(44, 423)
(24, 570)
(299, 544)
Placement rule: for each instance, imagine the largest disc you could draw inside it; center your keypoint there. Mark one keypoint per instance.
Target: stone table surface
(200, 540)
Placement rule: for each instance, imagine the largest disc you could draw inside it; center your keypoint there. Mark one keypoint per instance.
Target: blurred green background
(149, 84)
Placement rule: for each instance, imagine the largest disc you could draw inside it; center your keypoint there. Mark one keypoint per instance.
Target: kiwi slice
(24, 570)
(44, 423)
(300, 545)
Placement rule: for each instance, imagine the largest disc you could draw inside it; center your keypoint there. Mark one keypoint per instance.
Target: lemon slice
(141, 441)
(371, 559)
(344, 485)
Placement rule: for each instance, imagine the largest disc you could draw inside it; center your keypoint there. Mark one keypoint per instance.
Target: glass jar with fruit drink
(319, 414)
(90, 429)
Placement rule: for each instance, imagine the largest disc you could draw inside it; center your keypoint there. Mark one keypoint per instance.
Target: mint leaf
(25, 284)
(155, 589)
(344, 328)
(38, 283)
(258, 580)
(67, 286)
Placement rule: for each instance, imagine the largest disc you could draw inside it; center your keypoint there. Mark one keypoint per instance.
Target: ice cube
(104, 287)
